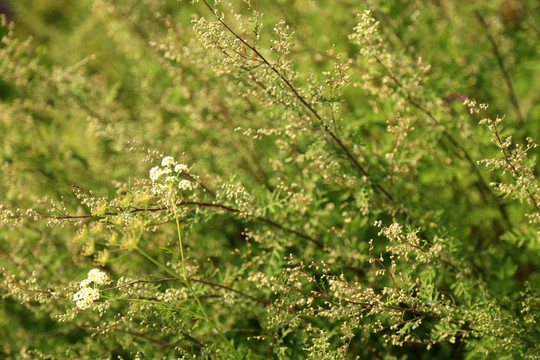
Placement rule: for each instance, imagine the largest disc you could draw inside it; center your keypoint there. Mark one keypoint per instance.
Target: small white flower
(97, 276)
(155, 173)
(84, 283)
(85, 297)
(180, 168)
(170, 180)
(167, 161)
(185, 185)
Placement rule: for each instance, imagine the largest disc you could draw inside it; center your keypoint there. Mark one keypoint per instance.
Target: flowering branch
(310, 108)
(513, 162)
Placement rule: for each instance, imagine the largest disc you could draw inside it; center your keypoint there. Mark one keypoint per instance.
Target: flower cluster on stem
(166, 178)
(87, 294)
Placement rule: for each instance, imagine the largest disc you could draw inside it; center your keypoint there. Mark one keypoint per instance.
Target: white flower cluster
(95, 276)
(87, 295)
(167, 175)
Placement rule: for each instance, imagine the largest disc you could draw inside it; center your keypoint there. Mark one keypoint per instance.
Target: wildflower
(185, 185)
(155, 173)
(170, 180)
(85, 297)
(97, 276)
(167, 161)
(179, 168)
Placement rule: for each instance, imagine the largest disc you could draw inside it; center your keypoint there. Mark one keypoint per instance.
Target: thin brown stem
(459, 150)
(502, 67)
(511, 165)
(198, 204)
(310, 109)
(205, 282)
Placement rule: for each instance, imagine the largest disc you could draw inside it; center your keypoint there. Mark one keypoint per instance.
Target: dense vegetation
(283, 179)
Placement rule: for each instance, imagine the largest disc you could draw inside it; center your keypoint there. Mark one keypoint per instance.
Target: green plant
(316, 190)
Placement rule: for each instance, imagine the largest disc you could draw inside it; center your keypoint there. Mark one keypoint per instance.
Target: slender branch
(261, 301)
(310, 108)
(459, 150)
(146, 337)
(194, 203)
(179, 233)
(135, 334)
(371, 306)
(390, 274)
(504, 71)
(18, 284)
(511, 165)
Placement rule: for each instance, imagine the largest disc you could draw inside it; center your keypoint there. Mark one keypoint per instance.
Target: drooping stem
(188, 285)
(178, 230)
(185, 280)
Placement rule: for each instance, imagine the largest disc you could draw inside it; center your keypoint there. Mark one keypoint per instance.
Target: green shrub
(280, 179)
